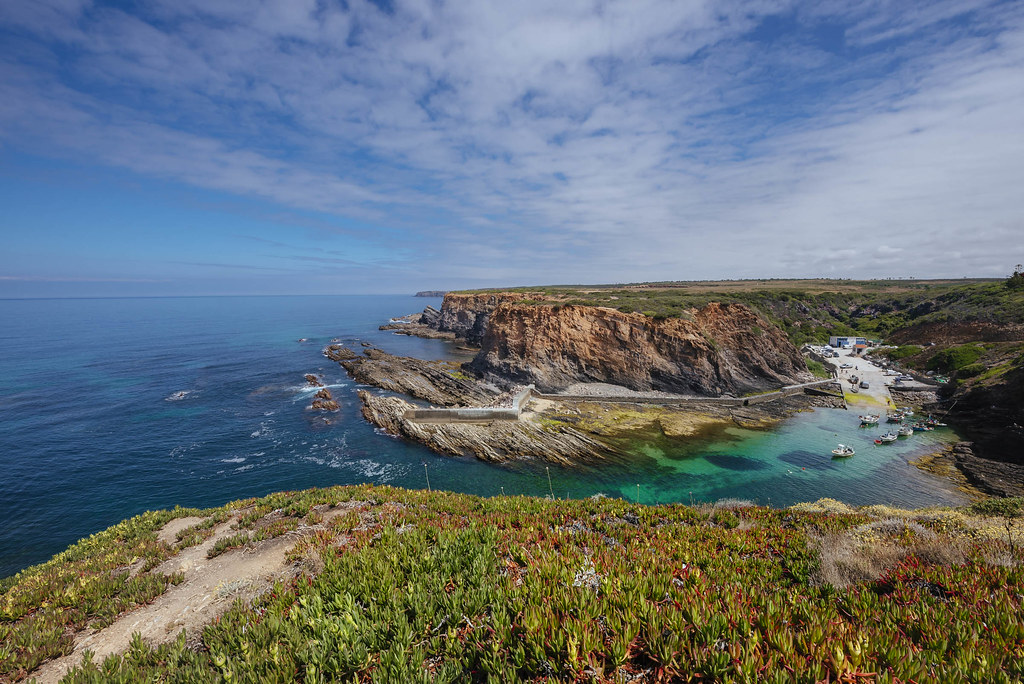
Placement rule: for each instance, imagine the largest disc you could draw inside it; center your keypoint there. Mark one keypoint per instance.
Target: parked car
(864, 384)
(845, 365)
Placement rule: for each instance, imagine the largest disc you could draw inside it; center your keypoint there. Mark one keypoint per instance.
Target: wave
(178, 396)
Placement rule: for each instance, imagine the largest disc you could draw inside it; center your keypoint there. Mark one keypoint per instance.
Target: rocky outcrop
(419, 325)
(991, 415)
(466, 315)
(947, 333)
(720, 349)
(323, 401)
(313, 381)
(441, 383)
(495, 441)
(338, 353)
(431, 293)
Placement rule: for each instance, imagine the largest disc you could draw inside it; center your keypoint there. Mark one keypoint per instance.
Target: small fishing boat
(906, 431)
(887, 438)
(894, 418)
(843, 451)
(868, 420)
(921, 427)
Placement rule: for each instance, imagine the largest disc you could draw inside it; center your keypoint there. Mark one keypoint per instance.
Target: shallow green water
(788, 464)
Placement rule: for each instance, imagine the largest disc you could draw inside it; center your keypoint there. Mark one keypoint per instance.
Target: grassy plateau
(409, 586)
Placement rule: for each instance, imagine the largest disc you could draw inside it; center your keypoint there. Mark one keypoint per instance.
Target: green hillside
(414, 586)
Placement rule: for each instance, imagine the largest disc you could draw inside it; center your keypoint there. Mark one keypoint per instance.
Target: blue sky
(315, 146)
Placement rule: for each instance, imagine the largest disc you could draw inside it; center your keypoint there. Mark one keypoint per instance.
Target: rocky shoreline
(559, 432)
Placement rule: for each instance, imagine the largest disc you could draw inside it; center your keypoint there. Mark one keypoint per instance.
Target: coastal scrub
(417, 586)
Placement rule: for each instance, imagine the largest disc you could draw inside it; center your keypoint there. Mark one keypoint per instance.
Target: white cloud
(571, 141)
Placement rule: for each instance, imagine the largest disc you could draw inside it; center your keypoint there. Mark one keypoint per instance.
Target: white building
(845, 342)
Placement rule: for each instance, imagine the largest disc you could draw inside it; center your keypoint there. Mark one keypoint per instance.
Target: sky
(205, 147)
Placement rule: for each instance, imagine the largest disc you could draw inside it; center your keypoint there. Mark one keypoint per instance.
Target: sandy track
(210, 587)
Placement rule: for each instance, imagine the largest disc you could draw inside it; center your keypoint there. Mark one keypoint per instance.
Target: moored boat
(842, 451)
(887, 438)
(868, 420)
(906, 431)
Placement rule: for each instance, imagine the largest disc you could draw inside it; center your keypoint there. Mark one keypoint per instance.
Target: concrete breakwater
(473, 414)
(487, 414)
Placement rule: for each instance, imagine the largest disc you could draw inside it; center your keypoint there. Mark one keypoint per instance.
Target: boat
(843, 451)
(868, 420)
(894, 417)
(905, 431)
(887, 438)
(921, 427)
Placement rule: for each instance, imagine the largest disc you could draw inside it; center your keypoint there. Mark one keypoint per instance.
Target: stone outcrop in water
(313, 381)
(720, 349)
(419, 325)
(441, 383)
(494, 441)
(323, 401)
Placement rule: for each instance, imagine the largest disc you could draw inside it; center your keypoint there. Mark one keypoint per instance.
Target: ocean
(111, 407)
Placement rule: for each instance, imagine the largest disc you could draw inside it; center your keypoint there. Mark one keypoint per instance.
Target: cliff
(721, 349)
(466, 315)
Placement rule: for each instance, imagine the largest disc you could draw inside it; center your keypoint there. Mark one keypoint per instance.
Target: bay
(92, 429)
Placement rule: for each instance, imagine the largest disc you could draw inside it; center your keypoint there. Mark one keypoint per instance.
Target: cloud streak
(580, 141)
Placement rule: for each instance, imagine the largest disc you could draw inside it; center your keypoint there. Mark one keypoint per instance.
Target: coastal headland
(365, 582)
(723, 340)
(594, 374)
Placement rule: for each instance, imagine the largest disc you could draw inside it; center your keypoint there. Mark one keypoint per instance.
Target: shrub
(955, 358)
(903, 351)
(817, 368)
(971, 370)
(1016, 280)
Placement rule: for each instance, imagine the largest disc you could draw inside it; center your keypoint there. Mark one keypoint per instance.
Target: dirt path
(210, 587)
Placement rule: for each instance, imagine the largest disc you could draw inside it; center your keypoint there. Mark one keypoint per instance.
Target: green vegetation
(954, 358)
(1016, 279)
(817, 369)
(903, 352)
(88, 585)
(416, 586)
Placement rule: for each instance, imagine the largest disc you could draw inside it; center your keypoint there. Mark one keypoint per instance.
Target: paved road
(877, 394)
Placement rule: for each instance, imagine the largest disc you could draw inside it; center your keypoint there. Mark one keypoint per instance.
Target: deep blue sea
(91, 432)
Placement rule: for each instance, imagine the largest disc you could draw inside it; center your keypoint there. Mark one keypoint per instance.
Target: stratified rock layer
(438, 382)
(495, 441)
(466, 315)
(721, 349)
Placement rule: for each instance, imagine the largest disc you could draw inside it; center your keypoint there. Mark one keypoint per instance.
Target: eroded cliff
(718, 349)
(466, 315)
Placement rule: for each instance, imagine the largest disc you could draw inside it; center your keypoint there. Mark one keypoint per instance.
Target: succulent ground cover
(416, 586)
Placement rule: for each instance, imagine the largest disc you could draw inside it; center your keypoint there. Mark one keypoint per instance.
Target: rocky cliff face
(466, 314)
(724, 349)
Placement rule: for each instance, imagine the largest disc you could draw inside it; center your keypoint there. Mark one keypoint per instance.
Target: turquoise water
(89, 433)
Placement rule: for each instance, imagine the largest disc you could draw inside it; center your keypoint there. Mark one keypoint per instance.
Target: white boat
(887, 438)
(905, 431)
(868, 420)
(843, 450)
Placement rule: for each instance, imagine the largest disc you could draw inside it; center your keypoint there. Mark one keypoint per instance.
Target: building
(845, 342)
